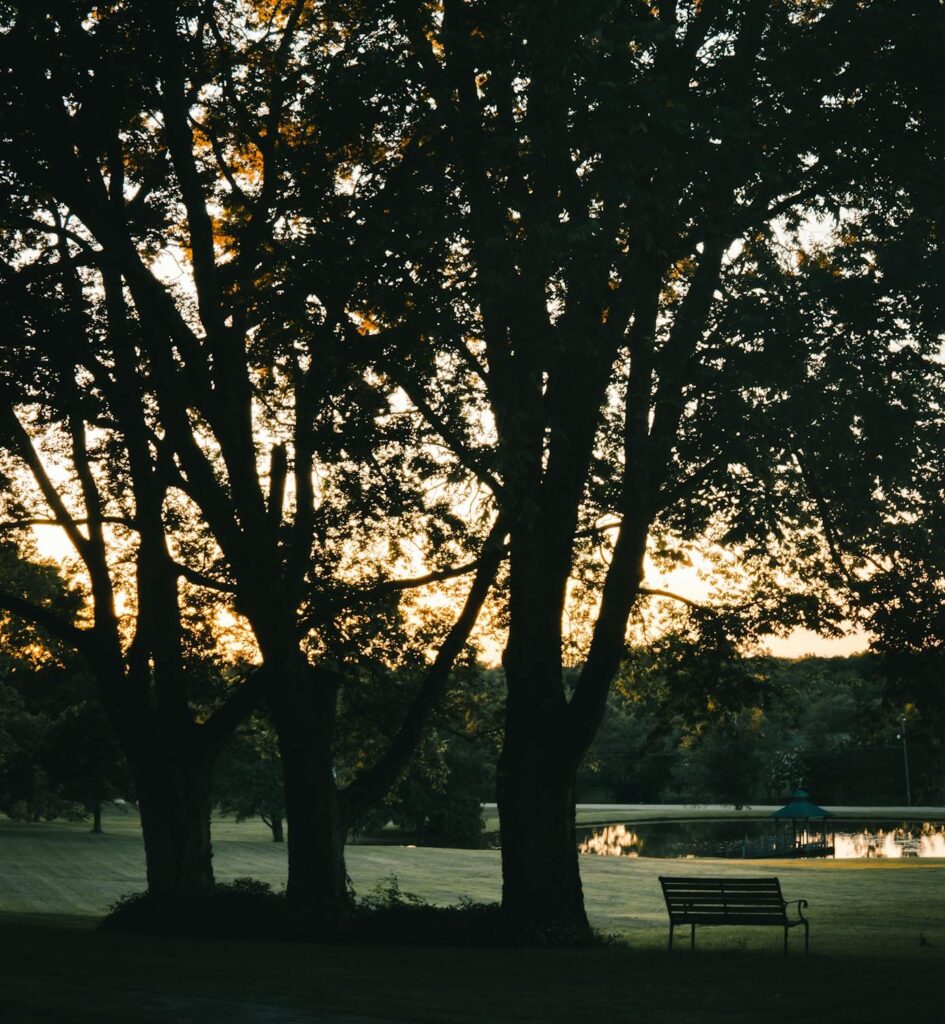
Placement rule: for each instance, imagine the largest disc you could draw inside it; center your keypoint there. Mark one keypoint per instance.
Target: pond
(720, 838)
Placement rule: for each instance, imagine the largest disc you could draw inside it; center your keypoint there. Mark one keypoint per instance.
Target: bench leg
(785, 940)
(692, 939)
(806, 937)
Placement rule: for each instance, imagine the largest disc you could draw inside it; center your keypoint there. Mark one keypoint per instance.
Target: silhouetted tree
(603, 168)
(229, 137)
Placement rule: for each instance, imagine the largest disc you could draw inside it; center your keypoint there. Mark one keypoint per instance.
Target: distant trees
(439, 799)
(247, 779)
(824, 724)
(58, 755)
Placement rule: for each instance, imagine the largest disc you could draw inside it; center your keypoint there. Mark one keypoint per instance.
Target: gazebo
(806, 838)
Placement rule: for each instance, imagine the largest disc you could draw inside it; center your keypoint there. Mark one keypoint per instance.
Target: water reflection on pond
(925, 840)
(853, 839)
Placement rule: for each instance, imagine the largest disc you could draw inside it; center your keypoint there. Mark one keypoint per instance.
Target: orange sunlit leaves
(276, 13)
(682, 269)
(809, 10)
(679, 273)
(224, 238)
(439, 50)
(247, 162)
(294, 133)
(654, 7)
(35, 654)
(820, 260)
(367, 325)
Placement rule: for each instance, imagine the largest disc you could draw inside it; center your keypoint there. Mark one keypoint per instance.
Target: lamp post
(905, 761)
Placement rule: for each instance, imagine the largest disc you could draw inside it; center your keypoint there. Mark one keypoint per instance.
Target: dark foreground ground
(67, 973)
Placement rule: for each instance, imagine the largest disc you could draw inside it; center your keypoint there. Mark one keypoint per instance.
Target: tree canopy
(295, 289)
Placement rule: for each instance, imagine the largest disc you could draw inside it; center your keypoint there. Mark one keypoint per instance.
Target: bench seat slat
(770, 893)
(696, 880)
(726, 919)
(686, 915)
(725, 898)
(683, 912)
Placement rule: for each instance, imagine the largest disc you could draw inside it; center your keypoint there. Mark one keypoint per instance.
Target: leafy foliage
(439, 798)
(58, 754)
(247, 778)
(826, 725)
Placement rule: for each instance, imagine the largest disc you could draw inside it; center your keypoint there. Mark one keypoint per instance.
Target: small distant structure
(802, 828)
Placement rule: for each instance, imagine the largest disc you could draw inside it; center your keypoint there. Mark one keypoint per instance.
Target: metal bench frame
(730, 901)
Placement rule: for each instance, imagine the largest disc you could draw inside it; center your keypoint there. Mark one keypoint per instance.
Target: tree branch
(244, 698)
(201, 579)
(657, 592)
(81, 640)
(22, 524)
(22, 445)
(375, 781)
(451, 438)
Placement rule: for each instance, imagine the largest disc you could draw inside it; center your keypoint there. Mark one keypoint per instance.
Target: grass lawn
(877, 940)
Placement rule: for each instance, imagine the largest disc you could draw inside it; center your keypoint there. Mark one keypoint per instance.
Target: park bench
(735, 901)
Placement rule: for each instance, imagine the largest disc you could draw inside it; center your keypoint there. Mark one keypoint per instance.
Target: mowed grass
(61, 869)
(877, 944)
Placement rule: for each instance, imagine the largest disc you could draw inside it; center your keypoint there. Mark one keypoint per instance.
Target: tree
(601, 166)
(858, 316)
(145, 664)
(223, 136)
(721, 726)
(247, 782)
(438, 799)
(59, 756)
(82, 457)
(433, 251)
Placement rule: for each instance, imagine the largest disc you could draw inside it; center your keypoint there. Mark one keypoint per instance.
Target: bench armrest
(800, 905)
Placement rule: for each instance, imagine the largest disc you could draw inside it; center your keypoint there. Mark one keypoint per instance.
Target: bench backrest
(691, 899)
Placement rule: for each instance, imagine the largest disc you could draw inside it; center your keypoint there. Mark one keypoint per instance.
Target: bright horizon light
(52, 543)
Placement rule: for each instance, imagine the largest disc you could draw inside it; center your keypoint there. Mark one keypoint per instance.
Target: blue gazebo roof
(801, 807)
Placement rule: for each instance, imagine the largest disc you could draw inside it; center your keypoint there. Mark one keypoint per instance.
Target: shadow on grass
(64, 974)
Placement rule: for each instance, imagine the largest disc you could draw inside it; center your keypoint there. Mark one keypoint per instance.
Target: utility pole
(905, 761)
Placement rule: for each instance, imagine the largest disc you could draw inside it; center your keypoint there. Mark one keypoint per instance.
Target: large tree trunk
(302, 703)
(541, 884)
(542, 895)
(174, 802)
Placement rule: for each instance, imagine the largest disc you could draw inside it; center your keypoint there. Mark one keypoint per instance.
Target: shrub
(249, 909)
(243, 908)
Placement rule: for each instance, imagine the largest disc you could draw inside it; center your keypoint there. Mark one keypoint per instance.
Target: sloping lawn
(877, 944)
